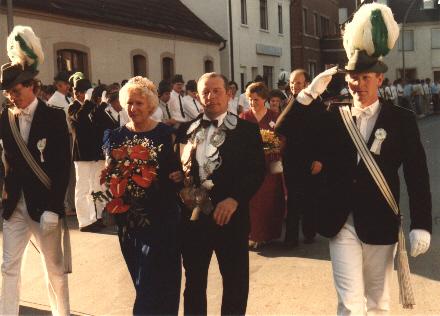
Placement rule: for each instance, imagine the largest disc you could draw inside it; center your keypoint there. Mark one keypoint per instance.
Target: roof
(417, 13)
(164, 16)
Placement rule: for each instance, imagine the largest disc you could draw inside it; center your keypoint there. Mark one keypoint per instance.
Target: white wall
(423, 58)
(110, 49)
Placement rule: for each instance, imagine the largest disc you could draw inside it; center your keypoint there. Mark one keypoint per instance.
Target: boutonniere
(41, 145)
(272, 124)
(379, 137)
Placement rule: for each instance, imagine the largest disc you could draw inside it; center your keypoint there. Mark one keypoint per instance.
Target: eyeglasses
(16, 92)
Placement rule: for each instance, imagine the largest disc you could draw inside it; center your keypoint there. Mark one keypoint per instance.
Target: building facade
(257, 34)
(108, 47)
(421, 42)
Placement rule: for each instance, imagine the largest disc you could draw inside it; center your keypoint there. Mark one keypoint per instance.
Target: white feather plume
(17, 54)
(357, 33)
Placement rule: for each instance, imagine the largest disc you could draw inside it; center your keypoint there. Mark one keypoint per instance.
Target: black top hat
(360, 61)
(13, 74)
(62, 76)
(177, 79)
(82, 85)
(164, 86)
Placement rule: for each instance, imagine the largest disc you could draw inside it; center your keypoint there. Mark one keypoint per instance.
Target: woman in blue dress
(151, 252)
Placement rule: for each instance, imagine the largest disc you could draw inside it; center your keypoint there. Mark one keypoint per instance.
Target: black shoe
(100, 222)
(92, 228)
(291, 243)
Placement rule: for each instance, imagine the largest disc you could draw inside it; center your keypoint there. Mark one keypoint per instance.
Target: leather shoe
(92, 228)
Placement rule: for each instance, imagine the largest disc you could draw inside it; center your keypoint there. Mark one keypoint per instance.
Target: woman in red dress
(267, 206)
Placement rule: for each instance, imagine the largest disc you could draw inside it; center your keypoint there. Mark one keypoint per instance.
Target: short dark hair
(191, 85)
(259, 88)
(233, 83)
(164, 86)
(275, 93)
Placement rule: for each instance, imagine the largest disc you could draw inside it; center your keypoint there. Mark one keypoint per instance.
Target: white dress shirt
(174, 106)
(233, 105)
(25, 117)
(244, 102)
(121, 116)
(366, 119)
(59, 100)
(191, 107)
(157, 115)
(201, 148)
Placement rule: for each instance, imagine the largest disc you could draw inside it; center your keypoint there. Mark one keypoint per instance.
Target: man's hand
(315, 168)
(317, 87)
(176, 176)
(48, 222)
(419, 240)
(88, 95)
(224, 211)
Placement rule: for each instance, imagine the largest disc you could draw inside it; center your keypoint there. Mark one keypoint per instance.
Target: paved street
(295, 282)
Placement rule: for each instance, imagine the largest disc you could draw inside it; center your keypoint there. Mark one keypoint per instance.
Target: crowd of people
(188, 169)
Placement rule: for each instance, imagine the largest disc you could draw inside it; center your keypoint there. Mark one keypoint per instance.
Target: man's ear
(381, 78)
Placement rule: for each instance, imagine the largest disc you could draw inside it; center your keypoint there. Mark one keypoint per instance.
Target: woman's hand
(176, 176)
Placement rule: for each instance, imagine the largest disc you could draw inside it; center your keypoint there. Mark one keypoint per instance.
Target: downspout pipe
(231, 42)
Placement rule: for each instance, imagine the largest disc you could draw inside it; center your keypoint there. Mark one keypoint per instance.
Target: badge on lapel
(41, 145)
(379, 137)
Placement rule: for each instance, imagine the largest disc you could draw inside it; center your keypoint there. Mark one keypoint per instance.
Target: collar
(175, 93)
(111, 109)
(369, 110)
(29, 110)
(219, 118)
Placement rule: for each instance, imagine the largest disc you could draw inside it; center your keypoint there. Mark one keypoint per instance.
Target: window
(263, 15)
(72, 60)
(428, 4)
(408, 39)
(325, 26)
(312, 69)
(410, 73)
(280, 19)
(316, 23)
(139, 65)
(343, 15)
(437, 75)
(304, 20)
(268, 76)
(243, 12)
(167, 68)
(435, 38)
(209, 66)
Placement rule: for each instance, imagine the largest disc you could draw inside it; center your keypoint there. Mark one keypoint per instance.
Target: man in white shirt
(426, 96)
(393, 90)
(233, 98)
(61, 98)
(191, 105)
(164, 94)
(175, 103)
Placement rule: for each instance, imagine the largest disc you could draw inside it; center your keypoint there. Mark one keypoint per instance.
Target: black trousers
(200, 240)
(301, 206)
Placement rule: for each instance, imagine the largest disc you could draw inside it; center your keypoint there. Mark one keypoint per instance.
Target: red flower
(139, 152)
(117, 187)
(119, 153)
(117, 206)
(103, 176)
(148, 174)
(126, 170)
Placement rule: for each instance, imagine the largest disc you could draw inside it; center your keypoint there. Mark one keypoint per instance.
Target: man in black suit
(301, 173)
(29, 207)
(87, 157)
(223, 156)
(362, 227)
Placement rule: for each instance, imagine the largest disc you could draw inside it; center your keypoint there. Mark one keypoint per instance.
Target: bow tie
(207, 123)
(365, 112)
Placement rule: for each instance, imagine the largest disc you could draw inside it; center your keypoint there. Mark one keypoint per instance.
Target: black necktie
(195, 103)
(168, 111)
(181, 107)
(67, 99)
(207, 123)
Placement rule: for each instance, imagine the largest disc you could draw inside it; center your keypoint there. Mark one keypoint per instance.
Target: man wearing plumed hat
(37, 162)
(360, 215)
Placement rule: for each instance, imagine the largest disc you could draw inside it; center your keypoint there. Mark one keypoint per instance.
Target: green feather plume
(379, 34)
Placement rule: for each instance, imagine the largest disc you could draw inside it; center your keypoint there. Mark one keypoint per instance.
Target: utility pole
(10, 16)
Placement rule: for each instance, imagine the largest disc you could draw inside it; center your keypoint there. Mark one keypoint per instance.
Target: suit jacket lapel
(37, 123)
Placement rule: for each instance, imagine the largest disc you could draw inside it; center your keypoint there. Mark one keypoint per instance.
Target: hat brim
(378, 67)
(22, 77)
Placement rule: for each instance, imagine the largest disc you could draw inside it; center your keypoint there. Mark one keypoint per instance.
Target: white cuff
(303, 98)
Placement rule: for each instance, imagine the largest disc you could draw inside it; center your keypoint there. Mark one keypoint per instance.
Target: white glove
(48, 222)
(419, 240)
(317, 87)
(89, 94)
(104, 98)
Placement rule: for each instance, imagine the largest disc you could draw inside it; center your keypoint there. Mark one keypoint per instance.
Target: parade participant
(223, 162)
(151, 250)
(299, 128)
(267, 206)
(191, 106)
(37, 161)
(60, 99)
(164, 93)
(360, 214)
(86, 157)
(233, 98)
(175, 103)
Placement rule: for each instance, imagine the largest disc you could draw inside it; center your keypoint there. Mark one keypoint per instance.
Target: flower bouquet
(131, 169)
(272, 149)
